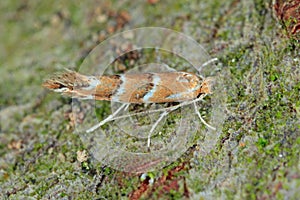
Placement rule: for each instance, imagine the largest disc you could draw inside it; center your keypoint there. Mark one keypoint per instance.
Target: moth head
(206, 86)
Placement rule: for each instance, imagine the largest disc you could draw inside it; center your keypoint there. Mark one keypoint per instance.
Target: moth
(131, 88)
(183, 87)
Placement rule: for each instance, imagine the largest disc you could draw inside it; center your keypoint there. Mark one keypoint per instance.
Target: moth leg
(166, 111)
(162, 115)
(202, 120)
(109, 118)
(160, 110)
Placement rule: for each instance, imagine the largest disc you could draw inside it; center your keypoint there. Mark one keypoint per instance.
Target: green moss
(262, 142)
